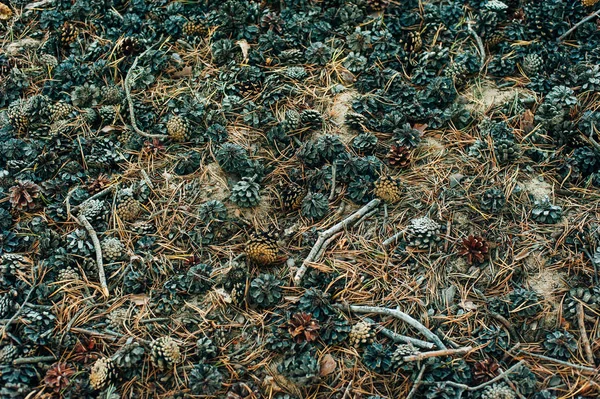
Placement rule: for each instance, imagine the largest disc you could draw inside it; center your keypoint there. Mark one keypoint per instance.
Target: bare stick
(443, 352)
(561, 362)
(326, 244)
(394, 336)
(587, 349)
(8, 323)
(480, 45)
(127, 85)
(101, 275)
(506, 323)
(332, 192)
(417, 383)
(577, 25)
(35, 359)
(392, 239)
(399, 315)
(480, 386)
(347, 390)
(323, 236)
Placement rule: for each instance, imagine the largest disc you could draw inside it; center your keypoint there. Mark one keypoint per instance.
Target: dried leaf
(328, 365)
(183, 72)
(420, 127)
(140, 300)
(245, 47)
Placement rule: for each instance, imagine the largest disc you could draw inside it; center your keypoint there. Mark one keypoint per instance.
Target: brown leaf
(420, 127)
(185, 71)
(328, 365)
(140, 299)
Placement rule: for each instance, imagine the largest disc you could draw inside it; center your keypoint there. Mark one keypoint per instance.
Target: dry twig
(399, 315)
(577, 25)
(587, 349)
(325, 235)
(394, 336)
(443, 352)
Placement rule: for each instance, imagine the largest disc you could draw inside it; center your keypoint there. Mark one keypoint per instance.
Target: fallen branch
(13, 318)
(587, 349)
(399, 315)
(443, 352)
(417, 383)
(101, 275)
(479, 42)
(82, 221)
(506, 324)
(392, 239)
(127, 85)
(561, 362)
(35, 359)
(577, 25)
(465, 387)
(330, 232)
(400, 338)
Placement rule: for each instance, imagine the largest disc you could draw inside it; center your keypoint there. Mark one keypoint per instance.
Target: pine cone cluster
(474, 248)
(261, 248)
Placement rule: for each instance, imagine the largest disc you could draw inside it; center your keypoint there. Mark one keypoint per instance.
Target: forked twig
(417, 382)
(577, 25)
(394, 336)
(587, 349)
(561, 362)
(465, 387)
(330, 232)
(399, 315)
(127, 85)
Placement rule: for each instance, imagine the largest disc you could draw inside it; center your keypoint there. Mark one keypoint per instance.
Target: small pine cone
(495, 39)
(377, 5)
(412, 43)
(6, 305)
(165, 352)
(362, 333)
(399, 156)
(356, 121)
(111, 95)
(128, 208)
(498, 391)
(103, 372)
(130, 46)
(8, 353)
(261, 248)
(112, 249)
(17, 117)
(532, 64)
(91, 209)
(474, 248)
(68, 33)
(291, 196)
(60, 111)
(589, 3)
(118, 318)
(422, 233)
(5, 12)
(24, 194)
(67, 274)
(107, 113)
(194, 29)
(178, 128)
(401, 351)
(388, 189)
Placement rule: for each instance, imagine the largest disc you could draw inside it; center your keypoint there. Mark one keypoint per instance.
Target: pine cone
(128, 208)
(291, 196)
(194, 29)
(68, 33)
(261, 248)
(388, 189)
(474, 248)
(377, 5)
(102, 373)
(589, 3)
(165, 352)
(362, 333)
(302, 327)
(57, 376)
(23, 195)
(130, 46)
(399, 156)
(178, 128)
(485, 370)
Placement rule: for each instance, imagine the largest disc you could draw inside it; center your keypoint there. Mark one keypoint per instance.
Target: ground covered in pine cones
(299, 199)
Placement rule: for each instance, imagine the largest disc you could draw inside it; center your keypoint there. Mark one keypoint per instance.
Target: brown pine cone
(399, 156)
(474, 248)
